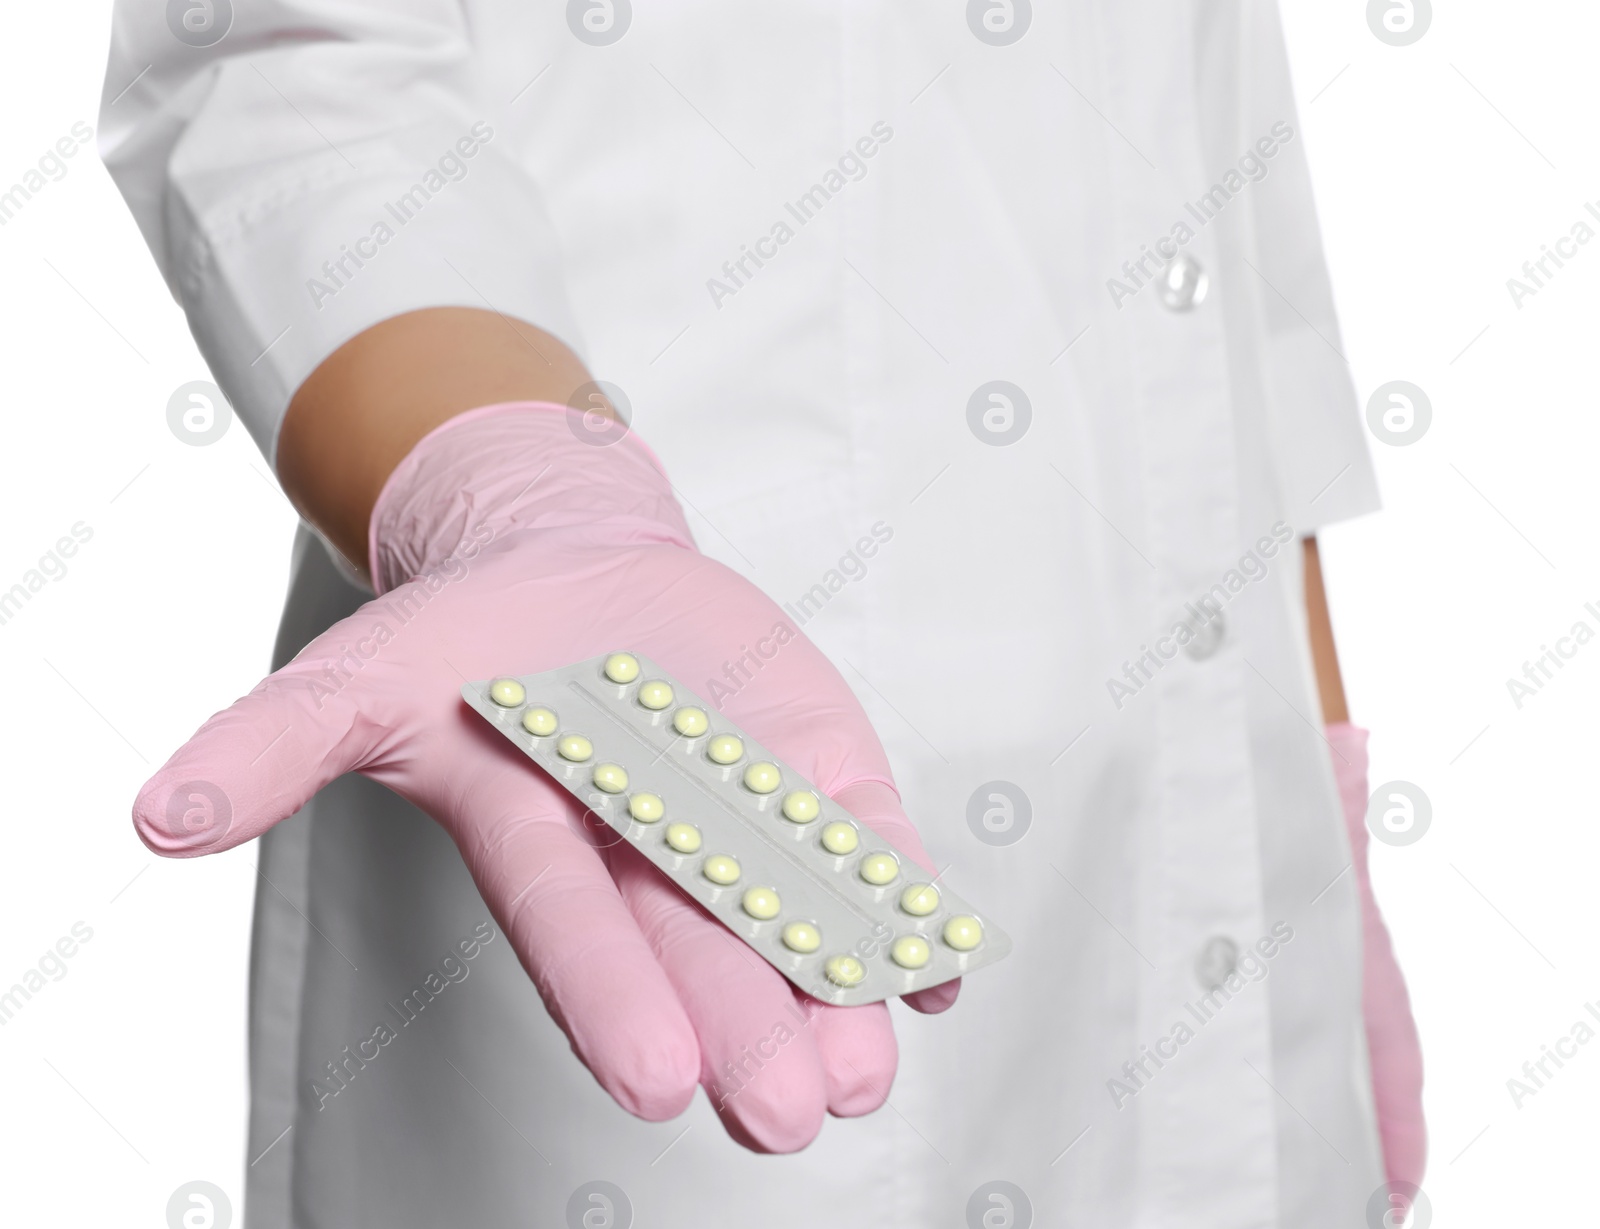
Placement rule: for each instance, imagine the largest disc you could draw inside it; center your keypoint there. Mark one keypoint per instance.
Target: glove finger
(859, 1055)
(760, 1064)
(548, 886)
(259, 760)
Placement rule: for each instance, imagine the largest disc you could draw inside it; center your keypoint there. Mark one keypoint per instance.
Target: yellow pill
(725, 749)
(920, 899)
(844, 970)
(802, 937)
(963, 932)
(879, 868)
(840, 837)
(612, 778)
(690, 722)
(762, 778)
(720, 868)
(646, 808)
(801, 806)
(910, 951)
(685, 838)
(575, 747)
(761, 903)
(655, 695)
(507, 693)
(622, 667)
(540, 721)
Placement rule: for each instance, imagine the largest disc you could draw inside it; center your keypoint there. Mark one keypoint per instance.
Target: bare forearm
(366, 406)
(1330, 686)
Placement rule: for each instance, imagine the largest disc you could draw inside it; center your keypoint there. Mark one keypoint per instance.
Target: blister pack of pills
(831, 905)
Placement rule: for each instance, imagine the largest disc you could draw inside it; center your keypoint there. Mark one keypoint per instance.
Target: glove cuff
(1349, 743)
(515, 466)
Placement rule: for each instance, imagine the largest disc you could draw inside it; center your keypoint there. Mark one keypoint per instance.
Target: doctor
(951, 389)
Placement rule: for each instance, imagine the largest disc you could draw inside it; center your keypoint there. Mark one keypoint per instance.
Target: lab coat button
(1183, 283)
(1217, 962)
(1208, 638)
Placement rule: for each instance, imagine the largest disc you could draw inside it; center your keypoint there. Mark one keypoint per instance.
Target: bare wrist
(367, 405)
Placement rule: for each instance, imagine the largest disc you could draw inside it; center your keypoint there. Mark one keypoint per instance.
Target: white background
(1439, 168)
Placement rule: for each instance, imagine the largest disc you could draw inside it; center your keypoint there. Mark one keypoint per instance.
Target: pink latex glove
(1396, 1054)
(532, 548)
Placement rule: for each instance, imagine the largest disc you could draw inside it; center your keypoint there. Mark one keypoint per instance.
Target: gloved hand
(504, 544)
(1396, 1054)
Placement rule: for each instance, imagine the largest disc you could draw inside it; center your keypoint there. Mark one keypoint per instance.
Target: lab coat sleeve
(325, 165)
(1319, 432)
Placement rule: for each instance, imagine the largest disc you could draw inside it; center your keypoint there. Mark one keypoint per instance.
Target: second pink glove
(1392, 1045)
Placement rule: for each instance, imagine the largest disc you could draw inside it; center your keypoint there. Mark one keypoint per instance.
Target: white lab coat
(1015, 626)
